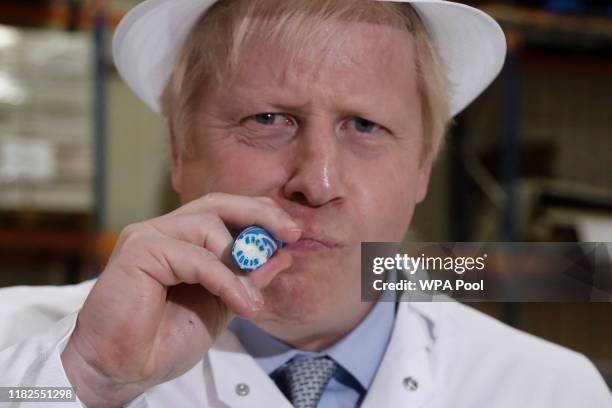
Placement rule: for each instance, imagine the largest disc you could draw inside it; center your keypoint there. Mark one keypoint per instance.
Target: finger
(172, 262)
(245, 211)
(279, 262)
(206, 230)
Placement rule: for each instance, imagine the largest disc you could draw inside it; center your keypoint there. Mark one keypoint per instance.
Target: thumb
(280, 261)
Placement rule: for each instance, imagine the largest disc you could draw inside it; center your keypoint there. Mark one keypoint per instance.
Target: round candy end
(253, 248)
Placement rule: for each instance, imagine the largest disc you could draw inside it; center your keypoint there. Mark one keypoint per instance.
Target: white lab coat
(441, 354)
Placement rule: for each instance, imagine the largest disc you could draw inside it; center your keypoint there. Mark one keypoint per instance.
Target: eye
(362, 125)
(269, 119)
(268, 128)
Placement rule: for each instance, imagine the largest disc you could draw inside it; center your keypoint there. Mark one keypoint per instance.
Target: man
(318, 120)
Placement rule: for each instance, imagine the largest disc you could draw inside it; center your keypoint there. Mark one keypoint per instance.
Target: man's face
(336, 142)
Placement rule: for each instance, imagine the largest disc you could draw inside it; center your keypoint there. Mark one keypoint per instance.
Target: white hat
(149, 40)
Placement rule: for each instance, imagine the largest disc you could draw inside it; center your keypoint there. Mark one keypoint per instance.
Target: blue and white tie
(306, 379)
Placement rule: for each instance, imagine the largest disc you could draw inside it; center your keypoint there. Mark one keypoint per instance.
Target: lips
(310, 242)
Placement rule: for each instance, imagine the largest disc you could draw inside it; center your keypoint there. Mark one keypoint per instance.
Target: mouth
(313, 243)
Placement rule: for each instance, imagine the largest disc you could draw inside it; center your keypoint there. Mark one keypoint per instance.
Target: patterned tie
(306, 378)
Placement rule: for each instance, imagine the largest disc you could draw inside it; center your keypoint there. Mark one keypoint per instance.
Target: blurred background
(81, 157)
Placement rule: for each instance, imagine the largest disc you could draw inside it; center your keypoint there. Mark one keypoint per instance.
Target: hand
(165, 296)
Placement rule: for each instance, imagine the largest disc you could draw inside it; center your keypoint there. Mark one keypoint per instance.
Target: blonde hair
(213, 50)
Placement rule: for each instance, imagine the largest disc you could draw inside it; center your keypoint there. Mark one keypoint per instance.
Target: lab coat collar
(404, 374)
(233, 369)
(370, 336)
(434, 308)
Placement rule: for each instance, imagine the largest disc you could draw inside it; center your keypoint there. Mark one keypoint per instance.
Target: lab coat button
(242, 389)
(410, 384)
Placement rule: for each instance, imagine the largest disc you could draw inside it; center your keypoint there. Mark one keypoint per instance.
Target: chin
(295, 296)
(311, 291)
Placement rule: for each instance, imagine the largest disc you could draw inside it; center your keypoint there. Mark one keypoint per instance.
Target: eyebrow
(282, 100)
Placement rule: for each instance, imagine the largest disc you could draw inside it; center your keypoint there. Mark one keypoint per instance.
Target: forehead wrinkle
(374, 50)
(377, 57)
(358, 51)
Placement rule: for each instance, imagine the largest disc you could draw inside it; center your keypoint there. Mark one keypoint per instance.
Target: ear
(423, 180)
(177, 159)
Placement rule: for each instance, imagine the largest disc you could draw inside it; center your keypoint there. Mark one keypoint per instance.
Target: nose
(316, 177)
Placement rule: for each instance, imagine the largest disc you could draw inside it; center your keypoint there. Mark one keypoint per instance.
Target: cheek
(387, 197)
(236, 170)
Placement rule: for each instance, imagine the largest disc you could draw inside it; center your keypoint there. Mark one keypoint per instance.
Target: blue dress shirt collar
(359, 353)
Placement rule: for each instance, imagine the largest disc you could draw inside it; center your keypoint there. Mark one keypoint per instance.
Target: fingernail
(255, 296)
(296, 231)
